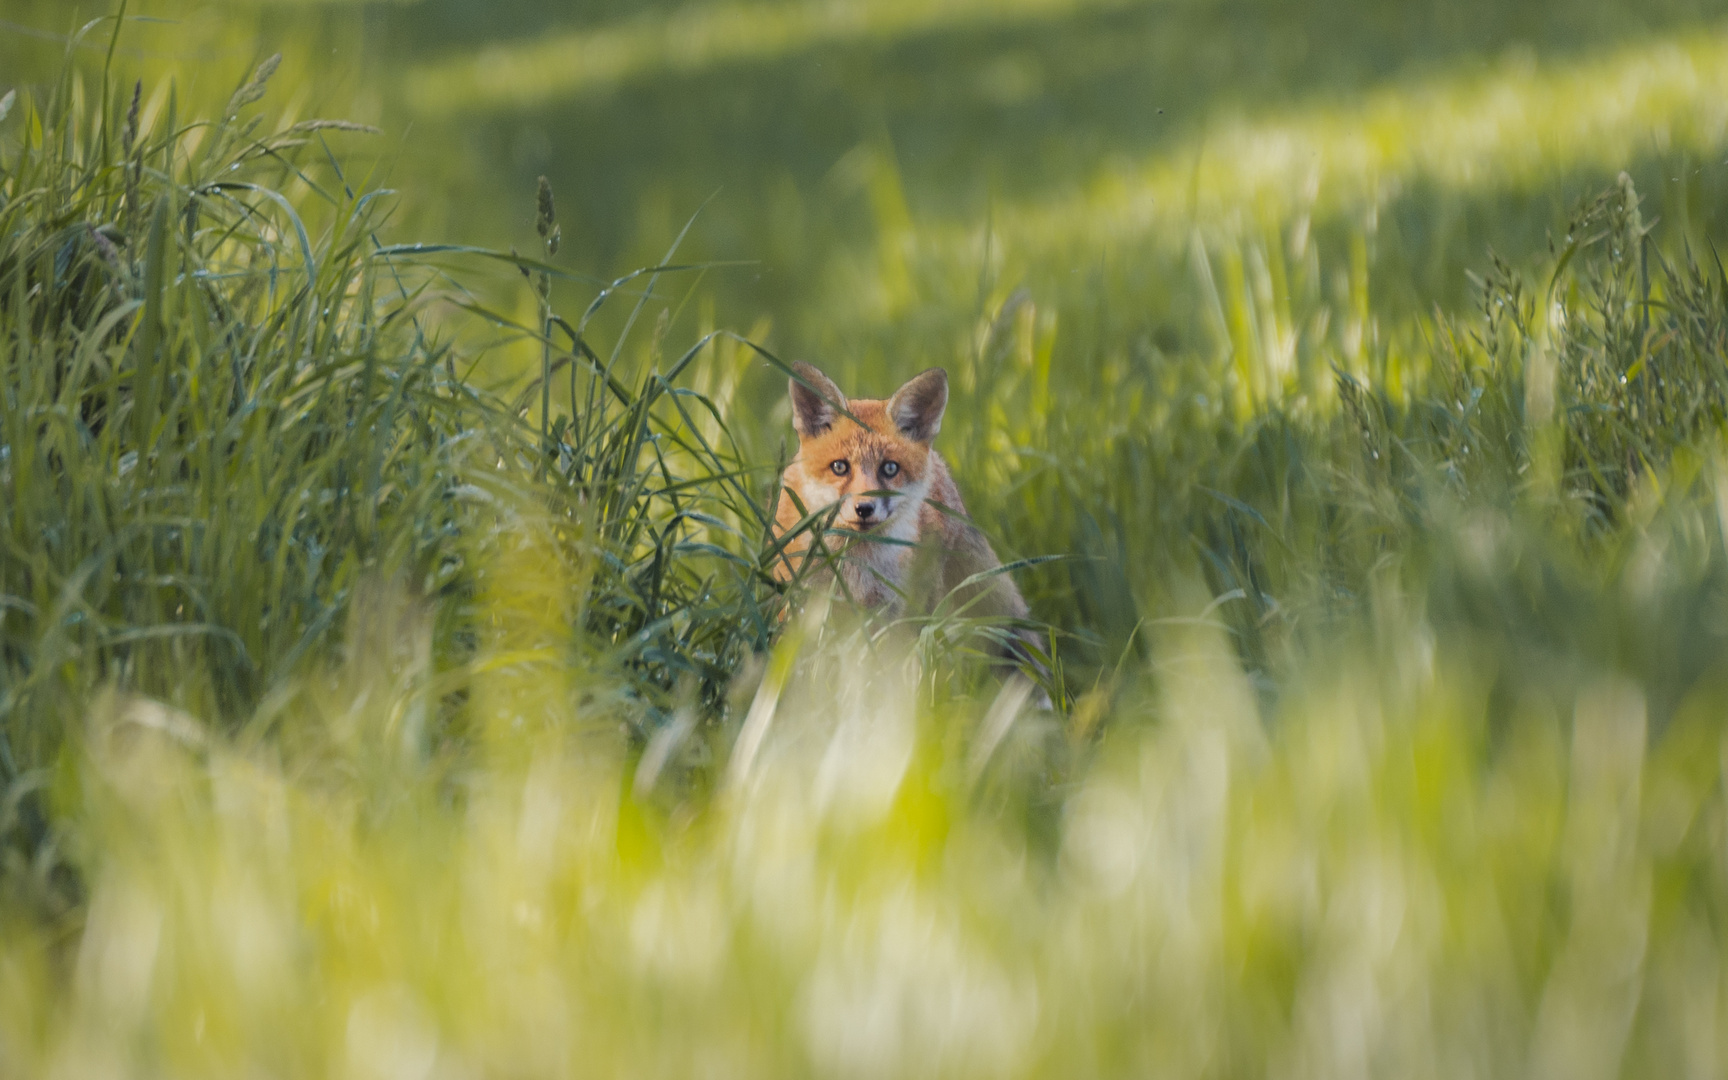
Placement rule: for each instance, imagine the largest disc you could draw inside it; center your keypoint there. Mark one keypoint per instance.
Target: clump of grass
(217, 412)
(223, 413)
(1639, 357)
(1316, 445)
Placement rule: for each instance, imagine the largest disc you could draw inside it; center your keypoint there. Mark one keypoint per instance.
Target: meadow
(392, 685)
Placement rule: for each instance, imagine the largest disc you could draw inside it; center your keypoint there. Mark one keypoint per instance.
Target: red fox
(888, 481)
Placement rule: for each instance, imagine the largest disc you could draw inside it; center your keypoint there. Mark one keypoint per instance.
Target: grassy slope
(1397, 747)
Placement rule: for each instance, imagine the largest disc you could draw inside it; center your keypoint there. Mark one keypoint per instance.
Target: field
(391, 684)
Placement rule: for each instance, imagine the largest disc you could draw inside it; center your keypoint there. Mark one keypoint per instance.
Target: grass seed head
(546, 221)
(254, 88)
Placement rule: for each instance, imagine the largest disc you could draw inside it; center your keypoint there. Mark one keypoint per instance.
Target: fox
(892, 488)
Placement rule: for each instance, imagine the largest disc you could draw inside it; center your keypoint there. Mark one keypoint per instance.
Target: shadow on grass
(973, 113)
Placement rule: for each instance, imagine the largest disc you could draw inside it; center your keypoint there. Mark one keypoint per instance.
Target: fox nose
(865, 509)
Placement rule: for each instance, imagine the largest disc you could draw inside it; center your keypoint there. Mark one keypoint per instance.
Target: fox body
(888, 481)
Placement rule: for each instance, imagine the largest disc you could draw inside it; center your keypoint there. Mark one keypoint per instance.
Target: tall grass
(1292, 461)
(231, 410)
(226, 414)
(217, 416)
(362, 721)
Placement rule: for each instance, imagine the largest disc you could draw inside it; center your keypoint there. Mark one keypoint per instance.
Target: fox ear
(917, 407)
(811, 415)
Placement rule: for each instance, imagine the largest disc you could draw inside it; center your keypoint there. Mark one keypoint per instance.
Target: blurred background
(880, 173)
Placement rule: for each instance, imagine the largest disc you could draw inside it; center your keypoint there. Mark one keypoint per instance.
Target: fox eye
(841, 468)
(890, 468)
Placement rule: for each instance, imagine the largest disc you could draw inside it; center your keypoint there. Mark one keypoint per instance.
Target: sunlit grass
(1503, 127)
(1518, 126)
(696, 38)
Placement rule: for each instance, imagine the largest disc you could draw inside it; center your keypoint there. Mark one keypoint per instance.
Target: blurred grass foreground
(366, 711)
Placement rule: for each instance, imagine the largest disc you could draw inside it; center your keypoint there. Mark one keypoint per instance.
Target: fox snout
(867, 511)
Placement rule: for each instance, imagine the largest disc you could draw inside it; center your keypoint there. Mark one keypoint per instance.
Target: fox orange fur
(887, 478)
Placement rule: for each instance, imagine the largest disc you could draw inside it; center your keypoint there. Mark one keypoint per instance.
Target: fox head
(879, 472)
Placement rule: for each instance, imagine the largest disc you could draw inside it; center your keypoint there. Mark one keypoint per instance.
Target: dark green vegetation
(224, 418)
(212, 426)
(384, 629)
